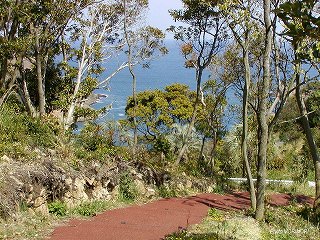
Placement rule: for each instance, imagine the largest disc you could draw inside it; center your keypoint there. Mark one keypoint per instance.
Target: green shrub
(215, 214)
(166, 192)
(19, 133)
(58, 208)
(92, 137)
(184, 235)
(90, 209)
(127, 189)
(94, 143)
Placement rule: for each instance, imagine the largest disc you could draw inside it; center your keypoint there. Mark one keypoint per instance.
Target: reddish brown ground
(157, 219)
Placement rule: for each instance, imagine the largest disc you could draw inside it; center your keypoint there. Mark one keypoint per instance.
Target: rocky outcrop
(36, 186)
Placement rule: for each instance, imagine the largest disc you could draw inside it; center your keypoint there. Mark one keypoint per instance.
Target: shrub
(19, 133)
(90, 209)
(127, 188)
(58, 208)
(166, 192)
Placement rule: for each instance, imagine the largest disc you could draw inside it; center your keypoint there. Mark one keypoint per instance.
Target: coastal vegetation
(52, 58)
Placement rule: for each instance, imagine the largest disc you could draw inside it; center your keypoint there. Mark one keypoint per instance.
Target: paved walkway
(157, 219)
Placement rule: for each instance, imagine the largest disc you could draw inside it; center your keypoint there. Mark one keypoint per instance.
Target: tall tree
(243, 27)
(203, 39)
(302, 22)
(95, 30)
(142, 44)
(47, 21)
(32, 30)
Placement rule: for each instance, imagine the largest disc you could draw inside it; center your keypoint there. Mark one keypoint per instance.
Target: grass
(288, 223)
(295, 188)
(221, 225)
(282, 223)
(29, 225)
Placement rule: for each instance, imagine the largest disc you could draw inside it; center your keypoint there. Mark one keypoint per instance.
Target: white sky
(159, 16)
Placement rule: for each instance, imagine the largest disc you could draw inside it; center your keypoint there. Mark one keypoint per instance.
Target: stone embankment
(33, 186)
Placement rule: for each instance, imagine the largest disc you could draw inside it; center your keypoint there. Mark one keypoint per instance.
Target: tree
(95, 30)
(302, 28)
(47, 22)
(143, 44)
(203, 39)
(9, 23)
(243, 28)
(32, 30)
(156, 111)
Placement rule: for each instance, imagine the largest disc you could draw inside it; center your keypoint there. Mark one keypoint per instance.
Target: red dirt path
(157, 219)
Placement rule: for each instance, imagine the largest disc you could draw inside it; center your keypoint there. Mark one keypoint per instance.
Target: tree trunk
(26, 96)
(309, 135)
(244, 138)
(10, 81)
(193, 119)
(202, 148)
(40, 79)
(213, 150)
(134, 81)
(262, 114)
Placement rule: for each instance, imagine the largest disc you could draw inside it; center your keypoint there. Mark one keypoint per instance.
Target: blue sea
(163, 71)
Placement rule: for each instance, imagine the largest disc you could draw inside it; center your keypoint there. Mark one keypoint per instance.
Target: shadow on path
(159, 218)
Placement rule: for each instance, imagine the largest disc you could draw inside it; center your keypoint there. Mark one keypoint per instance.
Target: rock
(5, 158)
(115, 192)
(140, 186)
(133, 172)
(52, 152)
(89, 181)
(17, 181)
(150, 192)
(180, 187)
(76, 193)
(210, 189)
(78, 190)
(139, 176)
(188, 184)
(40, 203)
(100, 192)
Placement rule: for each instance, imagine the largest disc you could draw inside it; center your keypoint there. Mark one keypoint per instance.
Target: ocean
(163, 71)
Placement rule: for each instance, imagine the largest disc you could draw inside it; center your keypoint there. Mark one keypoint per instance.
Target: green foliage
(127, 187)
(18, 132)
(302, 26)
(58, 208)
(215, 214)
(157, 111)
(288, 223)
(89, 209)
(183, 235)
(166, 192)
(312, 103)
(162, 145)
(94, 143)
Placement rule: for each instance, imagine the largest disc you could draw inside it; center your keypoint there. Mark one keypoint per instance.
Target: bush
(166, 192)
(127, 188)
(58, 208)
(91, 208)
(93, 143)
(19, 132)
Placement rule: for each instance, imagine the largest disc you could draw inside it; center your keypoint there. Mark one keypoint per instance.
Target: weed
(58, 208)
(215, 214)
(90, 209)
(166, 192)
(289, 223)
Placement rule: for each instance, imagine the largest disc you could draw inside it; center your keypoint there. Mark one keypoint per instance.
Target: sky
(159, 16)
